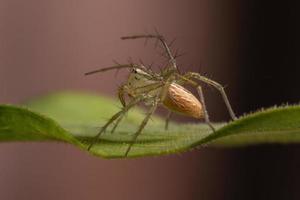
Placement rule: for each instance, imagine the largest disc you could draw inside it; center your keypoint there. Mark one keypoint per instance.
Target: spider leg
(206, 116)
(184, 79)
(121, 115)
(117, 67)
(113, 118)
(217, 86)
(220, 88)
(168, 119)
(121, 94)
(157, 99)
(162, 40)
(187, 79)
(163, 95)
(117, 123)
(142, 126)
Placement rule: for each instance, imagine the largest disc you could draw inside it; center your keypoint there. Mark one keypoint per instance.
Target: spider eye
(134, 70)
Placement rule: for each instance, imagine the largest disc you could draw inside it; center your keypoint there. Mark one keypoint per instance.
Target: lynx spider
(165, 88)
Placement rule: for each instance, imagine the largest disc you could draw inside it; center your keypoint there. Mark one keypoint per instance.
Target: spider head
(139, 78)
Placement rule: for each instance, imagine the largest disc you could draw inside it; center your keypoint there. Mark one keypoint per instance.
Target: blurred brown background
(251, 47)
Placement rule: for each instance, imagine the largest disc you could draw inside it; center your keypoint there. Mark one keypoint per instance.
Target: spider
(165, 88)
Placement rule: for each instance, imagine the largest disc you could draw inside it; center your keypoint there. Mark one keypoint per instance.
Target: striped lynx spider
(165, 88)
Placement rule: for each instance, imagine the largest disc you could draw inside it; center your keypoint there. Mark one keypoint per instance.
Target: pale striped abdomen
(180, 100)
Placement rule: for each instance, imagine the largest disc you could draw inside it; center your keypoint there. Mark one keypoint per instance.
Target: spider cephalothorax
(164, 88)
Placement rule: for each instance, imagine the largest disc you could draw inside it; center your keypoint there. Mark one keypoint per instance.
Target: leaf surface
(76, 117)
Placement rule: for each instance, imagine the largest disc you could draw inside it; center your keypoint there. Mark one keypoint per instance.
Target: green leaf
(279, 125)
(76, 117)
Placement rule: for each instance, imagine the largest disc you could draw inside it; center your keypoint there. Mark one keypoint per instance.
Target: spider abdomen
(180, 100)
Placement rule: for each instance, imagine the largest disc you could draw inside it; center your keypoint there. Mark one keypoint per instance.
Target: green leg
(113, 118)
(206, 116)
(168, 120)
(220, 88)
(142, 126)
(163, 42)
